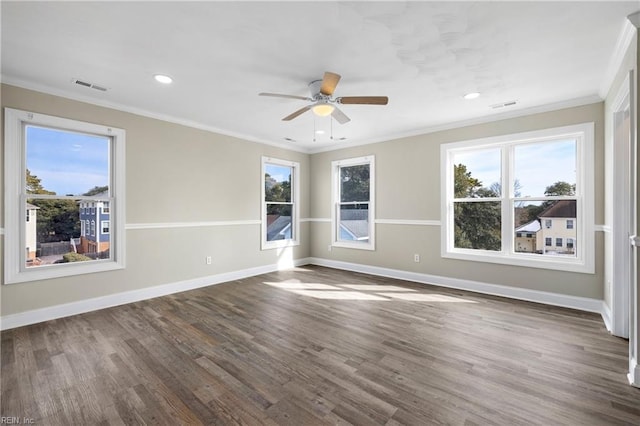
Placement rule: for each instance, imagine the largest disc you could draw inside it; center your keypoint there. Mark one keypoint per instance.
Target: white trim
(602, 228)
(295, 204)
(627, 35)
(1, 231)
(316, 219)
(145, 113)
(416, 222)
(165, 225)
(335, 202)
(606, 316)
(555, 299)
(82, 306)
(585, 260)
(15, 270)
(634, 373)
(571, 103)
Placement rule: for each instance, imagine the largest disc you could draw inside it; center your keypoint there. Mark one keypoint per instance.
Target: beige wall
(180, 174)
(174, 174)
(408, 187)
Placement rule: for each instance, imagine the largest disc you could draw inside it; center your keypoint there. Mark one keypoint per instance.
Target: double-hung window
(353, 220)
(542, 183)
(53, 166)
(280, 208)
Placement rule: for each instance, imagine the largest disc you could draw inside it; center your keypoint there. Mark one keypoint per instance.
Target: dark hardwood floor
(320, 346)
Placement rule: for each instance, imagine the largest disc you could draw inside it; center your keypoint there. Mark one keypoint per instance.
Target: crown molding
(627, 35)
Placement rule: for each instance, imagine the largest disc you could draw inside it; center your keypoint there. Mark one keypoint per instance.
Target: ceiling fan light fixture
(322, 109)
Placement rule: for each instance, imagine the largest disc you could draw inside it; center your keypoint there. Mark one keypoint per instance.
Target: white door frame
(623, 206)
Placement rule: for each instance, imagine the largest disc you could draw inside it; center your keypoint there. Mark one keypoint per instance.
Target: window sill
(62, 270)
(524, 260)
(357, 246)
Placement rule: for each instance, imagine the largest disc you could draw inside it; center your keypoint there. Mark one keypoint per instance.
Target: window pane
(541, 227)
(477, 174)
(545, 168)
(279, 222)
(65, 163)
(478, 225)
(354, 222)
(354, 183)
(556, 215)
(54, 234)
(277, 183)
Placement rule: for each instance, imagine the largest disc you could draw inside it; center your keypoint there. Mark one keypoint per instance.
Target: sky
(279, 173)
(67, 162)
(537, 165)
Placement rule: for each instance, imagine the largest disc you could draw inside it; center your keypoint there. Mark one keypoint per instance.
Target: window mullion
(507, 194)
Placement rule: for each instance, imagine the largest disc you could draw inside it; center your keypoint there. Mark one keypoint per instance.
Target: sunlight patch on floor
(366, 292)
(424, 297)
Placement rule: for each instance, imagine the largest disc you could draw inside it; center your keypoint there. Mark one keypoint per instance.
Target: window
(52, 166)
(280, 211)
(493, 189)
(570, 243)
(353, 203)
(93, 228)
(105, 227)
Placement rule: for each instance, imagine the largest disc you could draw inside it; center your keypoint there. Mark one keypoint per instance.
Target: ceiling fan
(322, 103)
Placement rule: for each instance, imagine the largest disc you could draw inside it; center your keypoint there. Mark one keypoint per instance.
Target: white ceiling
(423, 55)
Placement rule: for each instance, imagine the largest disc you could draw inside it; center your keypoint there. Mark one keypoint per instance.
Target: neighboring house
(354, 225)
(278, 227)
(31, 232)
(94, 225)
(528, 237)
(558, 228)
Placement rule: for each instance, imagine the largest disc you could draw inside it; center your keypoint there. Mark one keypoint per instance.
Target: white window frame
(335, 202)
(102, 227)
(295, 196)
(584, 261)
(15, 271)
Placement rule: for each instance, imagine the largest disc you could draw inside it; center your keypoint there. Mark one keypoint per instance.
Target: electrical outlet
(416, 258)
(209, 260)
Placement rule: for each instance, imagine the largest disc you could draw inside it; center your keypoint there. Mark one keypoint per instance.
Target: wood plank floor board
(316, 346)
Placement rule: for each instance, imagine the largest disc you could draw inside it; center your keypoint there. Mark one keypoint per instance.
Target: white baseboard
(59, 311)
(606, 316)
(566, 301)
(634, 373)
(82, 306)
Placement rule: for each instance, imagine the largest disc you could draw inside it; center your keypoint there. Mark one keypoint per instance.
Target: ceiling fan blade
(340, 116)
(297, 113)
(363, 100)
(279, 95)
(329, 83)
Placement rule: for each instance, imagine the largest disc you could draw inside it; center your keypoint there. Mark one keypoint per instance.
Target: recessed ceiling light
(472, 95)
(164, 79)
(319, 132)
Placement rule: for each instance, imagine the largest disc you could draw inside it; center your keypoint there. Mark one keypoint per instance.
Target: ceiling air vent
(502, 104)
(88, 84)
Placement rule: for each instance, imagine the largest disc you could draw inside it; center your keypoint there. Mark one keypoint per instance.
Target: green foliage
(277, 191)
(74, 257)
(96, 190)
(354, 183)
(34, 185)
(477, 224)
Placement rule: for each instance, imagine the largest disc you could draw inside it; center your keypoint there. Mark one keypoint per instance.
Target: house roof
(533, 226)
(561, 208)
(32, 207)
(277, 224)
